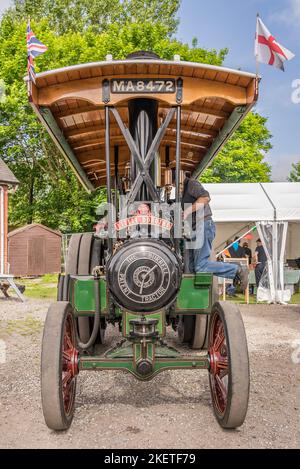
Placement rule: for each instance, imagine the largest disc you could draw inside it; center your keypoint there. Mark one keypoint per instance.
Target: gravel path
(172, 411)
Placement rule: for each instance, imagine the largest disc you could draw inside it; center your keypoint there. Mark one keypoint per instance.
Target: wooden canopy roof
(70, 104)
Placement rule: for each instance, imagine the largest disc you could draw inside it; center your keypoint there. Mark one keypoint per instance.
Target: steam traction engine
(130, 126)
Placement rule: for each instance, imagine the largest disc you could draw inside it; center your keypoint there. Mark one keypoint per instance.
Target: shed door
(36, 256)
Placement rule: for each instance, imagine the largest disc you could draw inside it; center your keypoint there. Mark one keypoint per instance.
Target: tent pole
(275, 259)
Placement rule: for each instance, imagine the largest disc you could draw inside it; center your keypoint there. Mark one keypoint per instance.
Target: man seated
(196, 197)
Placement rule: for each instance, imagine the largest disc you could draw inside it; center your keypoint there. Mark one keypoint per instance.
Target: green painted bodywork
(194, 296)
(195, 293)
(160, 316)
(82, 294)
(160, 365)
(126, 351)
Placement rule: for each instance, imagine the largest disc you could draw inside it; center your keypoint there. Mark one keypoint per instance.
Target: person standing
(260, 261)
(248, 252)
(236, 251)
(194, 197)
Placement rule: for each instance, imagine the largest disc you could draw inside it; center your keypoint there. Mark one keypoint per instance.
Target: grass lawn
(296, 299)
(40, 287)
(240, 299)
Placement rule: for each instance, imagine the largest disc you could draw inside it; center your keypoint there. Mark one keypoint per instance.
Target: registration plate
(128, 86)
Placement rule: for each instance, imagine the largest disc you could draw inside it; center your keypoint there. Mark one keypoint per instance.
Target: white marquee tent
(274, 208)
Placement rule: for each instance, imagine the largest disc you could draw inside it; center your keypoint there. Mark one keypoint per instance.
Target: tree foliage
(49, 192)
(295, 173)
(66, 16)
(242, 159)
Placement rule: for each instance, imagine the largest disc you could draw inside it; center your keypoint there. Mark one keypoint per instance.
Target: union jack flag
(34, 49)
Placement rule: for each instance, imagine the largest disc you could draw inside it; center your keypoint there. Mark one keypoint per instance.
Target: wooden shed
(7, 181)
(34, 250)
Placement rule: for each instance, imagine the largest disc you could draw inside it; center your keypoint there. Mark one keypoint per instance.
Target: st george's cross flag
(268, 50)
(34, 49)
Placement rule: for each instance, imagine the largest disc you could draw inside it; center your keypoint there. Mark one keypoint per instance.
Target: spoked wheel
(84, 253)
(185, 329)
(192, 330)
(59, 366)
(229, 365)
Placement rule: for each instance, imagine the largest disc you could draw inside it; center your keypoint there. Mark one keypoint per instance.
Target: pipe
(2, 230)
(96, 325)
(178, 153)
(108, 179)
(178, 223)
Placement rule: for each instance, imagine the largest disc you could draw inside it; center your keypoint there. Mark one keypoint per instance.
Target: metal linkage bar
(144, 165)
(151, 153)
(136, 154)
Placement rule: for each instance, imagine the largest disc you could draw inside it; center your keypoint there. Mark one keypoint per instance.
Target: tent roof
(255, 202)
(286, 198)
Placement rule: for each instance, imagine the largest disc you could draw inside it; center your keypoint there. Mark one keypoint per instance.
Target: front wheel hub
(144, 367)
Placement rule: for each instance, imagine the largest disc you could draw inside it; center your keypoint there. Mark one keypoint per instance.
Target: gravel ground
(172, 411)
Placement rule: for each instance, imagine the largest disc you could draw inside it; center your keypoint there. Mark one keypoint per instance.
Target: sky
(231, 23)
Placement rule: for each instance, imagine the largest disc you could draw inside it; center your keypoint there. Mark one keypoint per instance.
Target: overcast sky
(231, 23)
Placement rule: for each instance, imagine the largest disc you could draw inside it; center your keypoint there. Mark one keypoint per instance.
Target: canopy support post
(177, 215)
(108, 179)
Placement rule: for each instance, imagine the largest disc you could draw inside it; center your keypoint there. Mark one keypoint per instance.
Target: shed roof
(33, 225)
(6, 175)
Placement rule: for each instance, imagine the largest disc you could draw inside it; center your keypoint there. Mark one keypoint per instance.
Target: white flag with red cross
(268, 50)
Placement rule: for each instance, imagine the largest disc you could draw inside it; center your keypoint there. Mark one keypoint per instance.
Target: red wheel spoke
(67, 354)
(69, 342)
(69, 366)
(66, 378)
(219, 340)
(223, 373)
(222, 388)
(222, 363)
(219, 364)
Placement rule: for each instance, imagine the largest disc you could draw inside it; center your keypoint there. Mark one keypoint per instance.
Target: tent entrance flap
(273, 237)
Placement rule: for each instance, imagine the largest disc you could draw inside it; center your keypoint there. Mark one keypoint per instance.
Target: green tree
(49, 192)
(242, 159)
(295, 173)
(161, 12)
(80, 15)
(75, 32)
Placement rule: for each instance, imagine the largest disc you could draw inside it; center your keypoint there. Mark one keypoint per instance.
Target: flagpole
(256, 55)
(29, 83)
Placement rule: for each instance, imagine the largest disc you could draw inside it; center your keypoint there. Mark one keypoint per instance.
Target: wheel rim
(219, 364)
(69, 364)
